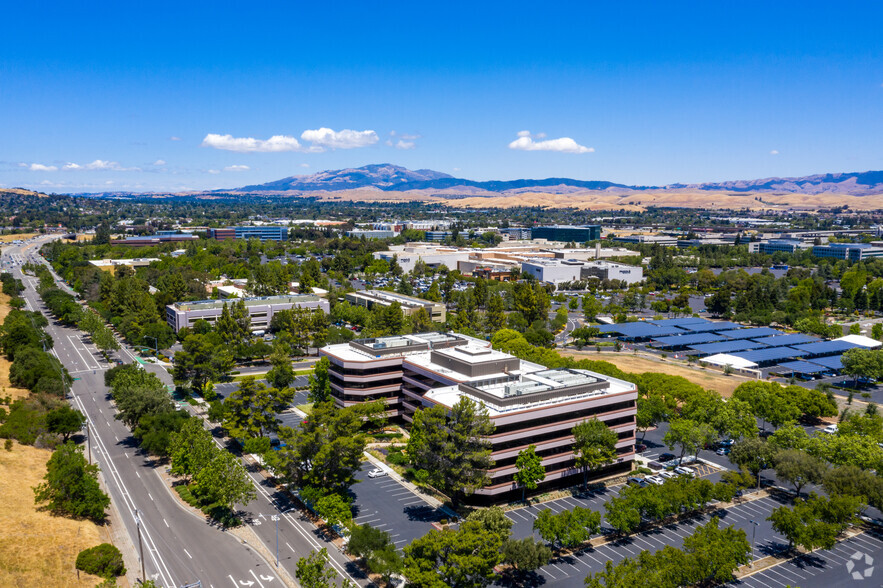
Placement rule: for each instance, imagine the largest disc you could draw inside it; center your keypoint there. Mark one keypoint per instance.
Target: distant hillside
(388, 177)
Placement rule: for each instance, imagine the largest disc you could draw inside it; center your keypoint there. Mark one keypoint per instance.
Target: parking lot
(225, 389)
(854, 562)
(385, 504)
(570, 571)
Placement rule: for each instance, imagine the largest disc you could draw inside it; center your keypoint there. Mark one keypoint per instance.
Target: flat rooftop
(260, 301)
(400, 345)
(384, 296)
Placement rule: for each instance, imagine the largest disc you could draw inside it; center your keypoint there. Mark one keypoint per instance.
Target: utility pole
(140, 544)
(276, 519)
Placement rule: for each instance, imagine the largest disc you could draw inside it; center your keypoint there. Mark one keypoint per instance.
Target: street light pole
(753, 533)
(276, 519)
(88, 441)
(140, 544)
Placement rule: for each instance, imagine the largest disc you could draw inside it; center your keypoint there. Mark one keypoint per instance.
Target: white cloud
(173, 138)
(402, 144)
(100, 164)
(214, 171)
(236, 168)
(343, 139)
(39, 167)
(525, 142)
(774, 152)
(275, 144)
(159, 162)
(72, 166)
(305, 165)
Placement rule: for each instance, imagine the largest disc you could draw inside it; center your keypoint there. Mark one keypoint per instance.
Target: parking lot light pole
(275, 518)
(753, 533)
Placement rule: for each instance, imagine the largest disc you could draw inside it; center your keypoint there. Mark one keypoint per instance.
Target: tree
(103, 560)
(815, 522)
(313, 571)
(320, 384)
(853, 481)
(377, 550)
(250, 411)
(652, 410)
(713, 554)
(453, 448)
(201, 361)
(191, 449)
(464, 558)
(799, 468)
(64, 421)
(569, 528)
(224, 482)
(495, 317)
(154, 431)
(530, 470)
(421, 322)
(493, 520)
(594, 444)
(334, 510)
(622, 514)
(753, 454)
(525, 555)
(281, 375)
(71, 485)
(689, 434)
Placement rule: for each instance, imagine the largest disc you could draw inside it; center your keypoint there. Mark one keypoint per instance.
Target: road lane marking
(185, 551)
(167, 524)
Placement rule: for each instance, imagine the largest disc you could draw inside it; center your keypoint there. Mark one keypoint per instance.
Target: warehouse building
(260, 310)
(527, 403)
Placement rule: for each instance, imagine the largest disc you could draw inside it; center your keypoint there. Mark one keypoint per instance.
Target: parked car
(723, 451)
(830, 429)
(667, 475)
(684, 471)
(636, 482)
(639, 447)
(666, 457)
(655, 480)
(376, 473)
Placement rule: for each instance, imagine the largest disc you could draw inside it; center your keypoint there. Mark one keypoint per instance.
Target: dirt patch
(37, 548)
(708, 379)
(21, 236)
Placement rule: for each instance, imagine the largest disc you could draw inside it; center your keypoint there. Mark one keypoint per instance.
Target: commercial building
(648, 239)
(152, 240)
(110, 265)
(608, 270)
(527, 403)
(567, 233)
(264, 233)
(553, 271)
(260, 310)
(517, 233)
(371, 298)
(848, 251)
(776, 245)
(432, 256)
(372, 233)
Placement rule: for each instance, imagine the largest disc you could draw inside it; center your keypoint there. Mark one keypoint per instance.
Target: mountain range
(388, 177)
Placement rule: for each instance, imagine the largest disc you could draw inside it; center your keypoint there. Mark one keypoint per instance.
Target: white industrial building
(608, 270)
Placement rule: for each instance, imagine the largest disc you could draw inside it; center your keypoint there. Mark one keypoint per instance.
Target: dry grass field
(11, 238)
(36, 548)
(708, 379)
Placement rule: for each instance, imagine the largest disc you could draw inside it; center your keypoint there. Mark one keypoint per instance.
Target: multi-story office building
(517, 233)
(608, 270)
(776, 245)
(849, 251)
(438, 236)
(553, 271)
(260, 310)
(264, 233)
(567, 233)
(158, 239)
(527, 403)
(371, 298)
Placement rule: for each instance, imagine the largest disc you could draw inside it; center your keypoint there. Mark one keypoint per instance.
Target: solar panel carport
(834, 362)
(682, 341)
(750, 333)
(725, 347)
(822, 348)
(803, 368)
(718, 326)
(785, 340)
(677, 322)
(770, 355)
(640, 331)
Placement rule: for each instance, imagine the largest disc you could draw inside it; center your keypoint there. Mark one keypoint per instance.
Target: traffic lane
(852, 562)
(385, 504)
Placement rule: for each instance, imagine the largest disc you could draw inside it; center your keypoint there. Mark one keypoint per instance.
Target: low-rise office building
(263, 232)
(152, 240)
(553, 271)
(848, 251)
(567, 233)
(527, 403)
(666, 240)
(110, 265)
(777, 245)
(371, 298)
(260, 310)
(608, 270)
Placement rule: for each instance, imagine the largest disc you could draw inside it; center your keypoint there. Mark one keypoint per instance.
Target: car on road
(666, 457)
(684, 471)
(376, 473)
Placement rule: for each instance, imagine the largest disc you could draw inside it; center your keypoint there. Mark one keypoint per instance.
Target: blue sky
(187, 95)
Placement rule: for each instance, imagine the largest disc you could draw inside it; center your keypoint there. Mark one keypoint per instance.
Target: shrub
(103, 560)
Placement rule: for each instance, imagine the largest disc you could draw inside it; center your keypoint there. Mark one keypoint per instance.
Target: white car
(668, 475)
(655, 480)
(684, 471)
(376, 473)
(830, 429)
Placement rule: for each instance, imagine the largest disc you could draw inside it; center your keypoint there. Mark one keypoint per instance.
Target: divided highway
(180, 548)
